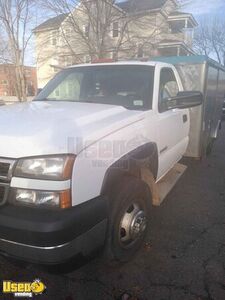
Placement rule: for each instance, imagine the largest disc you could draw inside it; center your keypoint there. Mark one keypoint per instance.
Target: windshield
(130, 86)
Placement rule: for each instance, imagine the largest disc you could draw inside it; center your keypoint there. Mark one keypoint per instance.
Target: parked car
(2, 102)
(83, 163)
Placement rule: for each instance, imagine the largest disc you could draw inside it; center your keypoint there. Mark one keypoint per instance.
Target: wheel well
(141, 163)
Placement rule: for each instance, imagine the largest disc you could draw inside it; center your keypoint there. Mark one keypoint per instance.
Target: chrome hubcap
(132, 226)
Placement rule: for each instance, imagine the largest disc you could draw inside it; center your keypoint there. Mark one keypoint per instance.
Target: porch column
(178, 51)
(186, 31)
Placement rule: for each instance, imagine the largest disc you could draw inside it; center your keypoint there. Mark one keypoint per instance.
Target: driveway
(183, 258)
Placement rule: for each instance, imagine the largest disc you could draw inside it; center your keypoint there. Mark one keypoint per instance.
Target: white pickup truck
(79, 165)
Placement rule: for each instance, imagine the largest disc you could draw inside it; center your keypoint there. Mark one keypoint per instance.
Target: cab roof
(126, 63)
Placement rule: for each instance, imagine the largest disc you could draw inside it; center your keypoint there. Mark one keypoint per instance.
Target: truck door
(173, 125)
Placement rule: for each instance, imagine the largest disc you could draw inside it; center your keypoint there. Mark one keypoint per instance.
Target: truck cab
(79, 166)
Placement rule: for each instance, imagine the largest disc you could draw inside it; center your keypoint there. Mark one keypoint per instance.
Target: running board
(166, 184)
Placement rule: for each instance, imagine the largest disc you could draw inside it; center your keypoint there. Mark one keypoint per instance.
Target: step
(166, 184)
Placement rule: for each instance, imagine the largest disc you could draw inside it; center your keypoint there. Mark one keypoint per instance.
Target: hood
(43, 128)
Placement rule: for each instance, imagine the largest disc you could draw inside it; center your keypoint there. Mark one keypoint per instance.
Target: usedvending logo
(24, 289)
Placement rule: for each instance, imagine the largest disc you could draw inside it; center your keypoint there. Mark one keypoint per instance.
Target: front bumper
(52, 237)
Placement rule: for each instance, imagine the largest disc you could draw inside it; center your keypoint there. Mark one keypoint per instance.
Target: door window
(168, 87)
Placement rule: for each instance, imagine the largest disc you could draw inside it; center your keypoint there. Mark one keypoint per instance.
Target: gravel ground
(183, 258)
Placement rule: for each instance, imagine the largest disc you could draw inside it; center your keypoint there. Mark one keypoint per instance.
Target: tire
(130, 207)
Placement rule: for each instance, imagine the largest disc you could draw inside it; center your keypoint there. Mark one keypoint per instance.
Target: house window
(86, 30)
(54, 38)
(30, 89)
(68, 61)
(115, 29)
(87, 59)
(4, 82)
(28, 73)
(68, 32)
(54, 65)
(114, 55)
(174, 29)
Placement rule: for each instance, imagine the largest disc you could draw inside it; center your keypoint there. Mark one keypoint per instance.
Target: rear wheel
(129, 219)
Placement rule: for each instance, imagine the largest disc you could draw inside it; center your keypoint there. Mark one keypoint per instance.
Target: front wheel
(128, 220)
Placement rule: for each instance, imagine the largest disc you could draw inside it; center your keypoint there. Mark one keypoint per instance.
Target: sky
(205, 9)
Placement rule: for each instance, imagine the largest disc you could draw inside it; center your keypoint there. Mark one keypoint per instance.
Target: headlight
(49, 167)
(41, 198)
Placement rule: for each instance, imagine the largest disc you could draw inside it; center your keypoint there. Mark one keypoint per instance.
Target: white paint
(172, 131)
(93, 132)
(44, 185)
(42, 128)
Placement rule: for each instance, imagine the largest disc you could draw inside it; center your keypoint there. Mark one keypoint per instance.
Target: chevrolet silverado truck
(80, 166)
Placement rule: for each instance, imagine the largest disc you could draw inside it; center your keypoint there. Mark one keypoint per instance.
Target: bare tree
(94, 23)
(210, 39)
(3, 48)
(15, 16)
(90, 23)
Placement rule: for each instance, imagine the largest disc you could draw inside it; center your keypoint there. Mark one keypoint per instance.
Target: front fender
(143, 157)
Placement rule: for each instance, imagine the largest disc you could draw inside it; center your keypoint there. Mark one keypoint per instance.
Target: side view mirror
(185, 100)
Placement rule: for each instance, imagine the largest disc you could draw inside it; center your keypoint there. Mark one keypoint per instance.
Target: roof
(171, 43)
(168, 41)
(140, 5)
(52, 23)
(179, 15)
(126, 63)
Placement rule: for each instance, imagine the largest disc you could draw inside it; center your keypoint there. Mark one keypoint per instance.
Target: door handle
(185, 118)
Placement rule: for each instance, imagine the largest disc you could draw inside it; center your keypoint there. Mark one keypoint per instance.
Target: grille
(2, 193)
(4, 169)
(6, 166)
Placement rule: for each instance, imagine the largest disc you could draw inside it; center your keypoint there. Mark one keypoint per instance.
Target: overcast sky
(208, 8)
